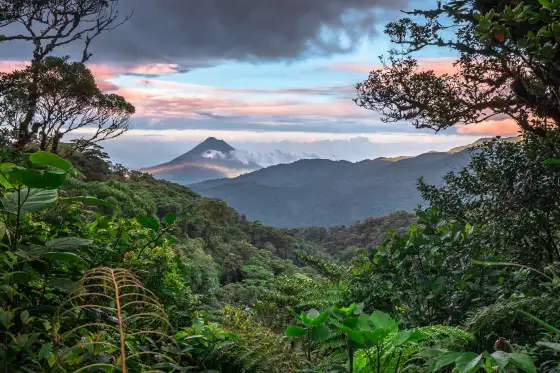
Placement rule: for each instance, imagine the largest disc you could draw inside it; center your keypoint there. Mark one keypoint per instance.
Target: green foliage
(509, 190)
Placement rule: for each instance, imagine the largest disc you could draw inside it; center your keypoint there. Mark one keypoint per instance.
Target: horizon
(265, 84)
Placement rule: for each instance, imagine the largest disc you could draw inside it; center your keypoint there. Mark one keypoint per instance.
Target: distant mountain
(320, 192)
(210, 159)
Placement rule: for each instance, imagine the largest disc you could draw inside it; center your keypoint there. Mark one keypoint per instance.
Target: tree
(502, 70)
(508, 189)
(49, 24)
(68, 100)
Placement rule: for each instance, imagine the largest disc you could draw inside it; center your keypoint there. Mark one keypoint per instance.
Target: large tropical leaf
(50, 159)
(29, 200)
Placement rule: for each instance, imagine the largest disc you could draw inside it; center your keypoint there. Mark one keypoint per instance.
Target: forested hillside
(320, 192)
(106, 270)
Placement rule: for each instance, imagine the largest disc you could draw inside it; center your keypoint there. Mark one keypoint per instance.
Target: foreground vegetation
(106, 269)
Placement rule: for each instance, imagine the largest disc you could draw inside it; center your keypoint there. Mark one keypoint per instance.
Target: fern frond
(112, 321)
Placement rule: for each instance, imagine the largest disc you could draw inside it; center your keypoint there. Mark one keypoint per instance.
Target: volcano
(211, 159)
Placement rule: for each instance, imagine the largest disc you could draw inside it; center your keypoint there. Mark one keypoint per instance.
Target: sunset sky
(272, 77)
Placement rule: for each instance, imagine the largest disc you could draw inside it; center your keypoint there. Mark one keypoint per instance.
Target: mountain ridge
(211, 159)
(323, 192)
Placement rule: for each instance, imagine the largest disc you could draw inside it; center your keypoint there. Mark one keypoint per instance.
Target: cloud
(439, 65)
(197, 33)
(496, 127)
(267, 148)
(103, 73)
(172, 86)
(273, 157)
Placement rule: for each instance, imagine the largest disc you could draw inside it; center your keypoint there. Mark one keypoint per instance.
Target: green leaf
(551, 345)
(321, 318)
(401, 338)
(295, 331)
(50, 159)
(445, 359)
(320, 333)
(21, 277)
(65, 257)
(552, 161)
(501, 358)
(89, 200)
(45, 351)
(356, 337)
(169, 218)
(30, 200)
(67, 243)
(312, 313)
(148, 222)
(523, 362)
(468, 362)
(545, 3)
(36, 178)
(382, 320)
(2, 228)
(3, 175)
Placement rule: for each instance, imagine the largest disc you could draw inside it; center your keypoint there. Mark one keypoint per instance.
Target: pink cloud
(440, 66)
(103, 73)
(154, 83)
(158, 104)
(504, 127)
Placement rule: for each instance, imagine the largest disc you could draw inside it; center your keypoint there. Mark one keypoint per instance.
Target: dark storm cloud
(195, 33)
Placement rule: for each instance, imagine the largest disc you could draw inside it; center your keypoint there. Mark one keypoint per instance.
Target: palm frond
(112, 322)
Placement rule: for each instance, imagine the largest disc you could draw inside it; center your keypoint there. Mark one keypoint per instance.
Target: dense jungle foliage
(106, 269)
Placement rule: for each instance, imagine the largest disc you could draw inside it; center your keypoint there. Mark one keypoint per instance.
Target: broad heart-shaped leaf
(67, 243)
(30, 200)
(356, 337)
(320, 333)
(401, 338)
(88, 200)
(169, 218)
(35, 178)
(351, 322)
(148, 222)
(295, 331)
(66, 257)
(501, 359)
(50, 159)
(376, 335)
(3, 180)
(320, 318)
(382, 320)
(523, 362)
(468, 362)
(446, 359)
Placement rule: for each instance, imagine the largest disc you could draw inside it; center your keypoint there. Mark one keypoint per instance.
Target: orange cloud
(440, 66)
(157, 105)
(505, 127)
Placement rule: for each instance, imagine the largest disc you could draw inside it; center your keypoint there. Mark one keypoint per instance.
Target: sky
(274, 78)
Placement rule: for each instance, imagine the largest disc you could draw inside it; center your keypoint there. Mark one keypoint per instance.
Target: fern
(501, 318)
(112, 322)
(257, 349)
(437, 336)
